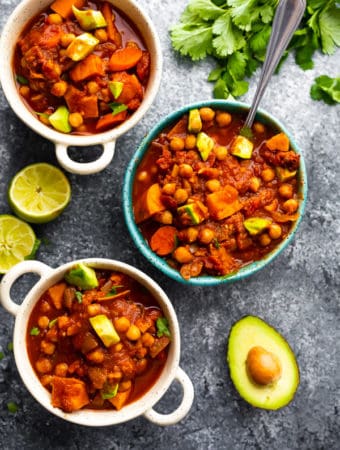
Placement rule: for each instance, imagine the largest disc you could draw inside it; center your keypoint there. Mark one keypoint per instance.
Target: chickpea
(66, 39)
(165, 217)
(114, 376)
(265, 240)
(61, 370)
(175, 170)
(169, 188)
(47, 347)
(206, 235)
(147, 339)
(190, 142)
(141, 365)
(24, 91)
(272, 206)
(133, 333)
(54, 19)
(290, 205)
(125, 386)
(192, 234)
(122, 324)
(185, 170)
(118, 347)
(207, 114)
(96, 356)
(275, 231)
(213, 185)
(181, 196)
(182, 255)
(254, 184)
(59, 88)
(106, 95)
(43, 322)
(143, 176)
(75, 120)
(263, 366)
(259, 127)
(177, 144)
(45, 307)
(101, 35)
(154, 169)
(268, 175)
(221, 152)
(94, 309)
(223, 119)
(43, 365)
(286, 190)
(46, 380)
(92, 87)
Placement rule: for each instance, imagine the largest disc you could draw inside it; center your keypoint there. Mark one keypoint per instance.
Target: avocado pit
(263, 367)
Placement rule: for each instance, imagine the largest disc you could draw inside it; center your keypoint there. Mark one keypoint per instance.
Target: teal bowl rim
(140, 242)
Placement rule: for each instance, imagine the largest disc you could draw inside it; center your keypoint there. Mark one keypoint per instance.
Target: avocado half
(250, 332)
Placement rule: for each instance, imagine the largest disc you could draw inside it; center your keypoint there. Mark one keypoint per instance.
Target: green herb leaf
(246, 132)
(52, 323)
(117, 108)
(109, 391)
(329, 23)
(113, 290)
(10, 346)
(35, 248)
(162, 327)
(216, 243)
(2, 355)
(12, 407)
(327, 89)
(22, 80)
(35, 331)
(79, 297)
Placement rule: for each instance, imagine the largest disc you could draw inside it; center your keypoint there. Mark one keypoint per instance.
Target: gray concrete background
(298, 293)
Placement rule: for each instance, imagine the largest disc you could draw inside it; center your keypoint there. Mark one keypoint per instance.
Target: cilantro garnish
(2, 355)
(162, 327)
(117, 107)
(52, 323)
(35, 331)
(113, 290)
(10, 346)
(246, 132)
(79, 297)
(327, 89)
(22, 80)
(236, 34)
(12, 407)
(109, 391)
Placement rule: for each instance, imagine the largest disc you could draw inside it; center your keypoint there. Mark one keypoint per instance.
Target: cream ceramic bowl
(22, 14)
(144, 405)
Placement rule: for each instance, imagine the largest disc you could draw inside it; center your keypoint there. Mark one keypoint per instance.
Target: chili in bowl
(80, 72)
(209, 202)
(97, 342)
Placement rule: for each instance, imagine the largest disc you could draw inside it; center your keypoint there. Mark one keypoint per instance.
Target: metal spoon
(287, 18)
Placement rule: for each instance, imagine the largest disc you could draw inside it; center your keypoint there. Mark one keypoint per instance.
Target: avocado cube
(59, 119)
(242, 147)
(105, 330)
(82, 276)
(81, 46)
(116, 88)
(195, 121)
(255, 225)
(89, 19)
(192, 213)
(284, 174)
(204, 144)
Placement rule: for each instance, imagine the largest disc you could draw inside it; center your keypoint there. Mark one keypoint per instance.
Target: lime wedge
(17, 241)
(39, 193)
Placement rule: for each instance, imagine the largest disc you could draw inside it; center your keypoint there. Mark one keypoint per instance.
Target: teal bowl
(140, 242)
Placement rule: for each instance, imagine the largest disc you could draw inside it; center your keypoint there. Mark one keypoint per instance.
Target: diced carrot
(64, 7)
(69, 394)
(119, 400)
(222, 204)
(112, 31)
(109, 120)
(125, 58)
(56, 293)
(149, 203)
(278, 142)
(163, 241)
(90, 66)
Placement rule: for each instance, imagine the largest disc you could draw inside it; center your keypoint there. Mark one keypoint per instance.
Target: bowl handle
(184, 407)
(85, 168)
(9, 279)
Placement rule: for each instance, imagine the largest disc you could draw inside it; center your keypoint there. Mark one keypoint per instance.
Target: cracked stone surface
(298, 293)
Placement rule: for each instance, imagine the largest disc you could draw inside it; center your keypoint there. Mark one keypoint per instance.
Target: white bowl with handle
(144, 406)
(22, 14)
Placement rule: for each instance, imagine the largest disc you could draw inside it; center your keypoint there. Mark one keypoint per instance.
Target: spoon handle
(287, 18)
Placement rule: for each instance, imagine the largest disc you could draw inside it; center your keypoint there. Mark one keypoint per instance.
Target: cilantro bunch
(236, 34)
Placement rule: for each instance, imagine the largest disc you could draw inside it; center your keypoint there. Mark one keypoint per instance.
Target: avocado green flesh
(82, 276)
(250, 332)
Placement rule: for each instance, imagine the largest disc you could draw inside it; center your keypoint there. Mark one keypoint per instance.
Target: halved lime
(39, 193)
(17, 241)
